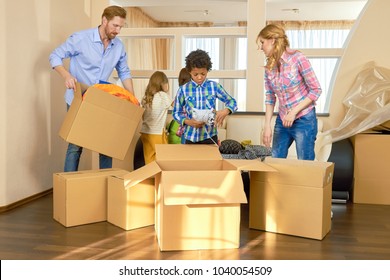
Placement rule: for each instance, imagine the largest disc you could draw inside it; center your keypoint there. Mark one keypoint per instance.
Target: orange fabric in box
(118, 92)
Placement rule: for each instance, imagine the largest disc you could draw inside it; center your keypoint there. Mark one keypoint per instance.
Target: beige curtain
(161, 47)
(149, 53)
(319, 24)
(157, 53)
(186, 24)
(323, 24)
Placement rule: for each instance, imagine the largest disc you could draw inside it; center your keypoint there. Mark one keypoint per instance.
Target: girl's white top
(154, 118)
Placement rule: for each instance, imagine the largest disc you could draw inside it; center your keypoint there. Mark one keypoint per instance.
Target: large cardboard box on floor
(198, 196)
(295, 200)
(133, 207)
(371, 168)
(101, 122)
(81, 197)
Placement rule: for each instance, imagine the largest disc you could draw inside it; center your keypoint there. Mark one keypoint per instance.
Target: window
(226, 53)
(324, 67)
(220, 50)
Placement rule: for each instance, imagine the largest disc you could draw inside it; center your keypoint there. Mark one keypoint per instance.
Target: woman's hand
(289, 119)
(267, 136)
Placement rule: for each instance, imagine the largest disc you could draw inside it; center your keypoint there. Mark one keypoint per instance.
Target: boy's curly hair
(198, 59)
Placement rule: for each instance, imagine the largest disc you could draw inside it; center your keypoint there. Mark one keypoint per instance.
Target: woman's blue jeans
(73, 154)
(303, 132)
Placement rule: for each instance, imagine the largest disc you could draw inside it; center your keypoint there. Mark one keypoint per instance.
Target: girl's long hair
(156, 83)
(273, 31)
(184, 76)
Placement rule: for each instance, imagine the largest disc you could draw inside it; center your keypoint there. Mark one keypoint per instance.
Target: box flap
(191, 165)
(141, 174)
(300, 172)
(202, 187)
(187, 152)
(92, 173)
(250, 165)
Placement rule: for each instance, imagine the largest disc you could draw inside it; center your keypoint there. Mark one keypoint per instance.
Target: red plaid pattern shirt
(294, 82)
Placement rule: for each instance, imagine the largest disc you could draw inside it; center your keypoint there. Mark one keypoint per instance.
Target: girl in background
(156, 103)
(184, 77)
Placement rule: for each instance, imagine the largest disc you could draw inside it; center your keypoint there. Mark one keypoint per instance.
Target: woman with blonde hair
(156, 102)
(289, 77)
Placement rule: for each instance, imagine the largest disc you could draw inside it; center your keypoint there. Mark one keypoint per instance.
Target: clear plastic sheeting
(368, 108)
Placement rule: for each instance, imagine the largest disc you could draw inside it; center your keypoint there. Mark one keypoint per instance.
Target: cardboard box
(371, 168)
(296, 200)
(101, 122)
(198, 196)
(81, 197)
(133, 207)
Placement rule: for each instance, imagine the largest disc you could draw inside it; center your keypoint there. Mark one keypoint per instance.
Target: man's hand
(70, 82)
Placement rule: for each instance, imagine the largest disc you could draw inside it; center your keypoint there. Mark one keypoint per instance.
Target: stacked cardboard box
(103, 123)
(81, 197)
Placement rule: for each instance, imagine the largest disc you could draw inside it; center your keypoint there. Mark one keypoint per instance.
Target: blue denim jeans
(303, 132)
(73, 154)
(73, 158)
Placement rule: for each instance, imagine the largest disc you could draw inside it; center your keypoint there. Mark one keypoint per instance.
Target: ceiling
(229, 12)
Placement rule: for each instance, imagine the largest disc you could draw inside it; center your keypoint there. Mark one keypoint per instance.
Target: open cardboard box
(296, 200)
(198, 196)
(81, 197)
(101, 122)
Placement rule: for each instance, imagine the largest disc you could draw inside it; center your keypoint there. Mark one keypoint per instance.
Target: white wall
(255, 86)
(3, 113)
(369, 41)
(32, 104)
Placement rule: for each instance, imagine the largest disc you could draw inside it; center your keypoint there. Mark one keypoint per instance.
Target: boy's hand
(194, 123)
(220, 116)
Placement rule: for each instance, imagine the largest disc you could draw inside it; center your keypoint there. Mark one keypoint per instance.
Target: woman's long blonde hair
(156, 83)
(276, 32)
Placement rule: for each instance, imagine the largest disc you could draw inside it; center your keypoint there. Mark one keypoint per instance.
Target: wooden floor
(359, 232)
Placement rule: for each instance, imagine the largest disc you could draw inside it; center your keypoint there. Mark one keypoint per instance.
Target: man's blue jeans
(73, 154)
(303, 132)
(73, 158)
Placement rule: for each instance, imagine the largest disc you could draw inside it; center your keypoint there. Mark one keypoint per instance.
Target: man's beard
(110, 35)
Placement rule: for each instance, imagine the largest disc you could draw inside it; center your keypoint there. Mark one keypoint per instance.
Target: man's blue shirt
(89, 61)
